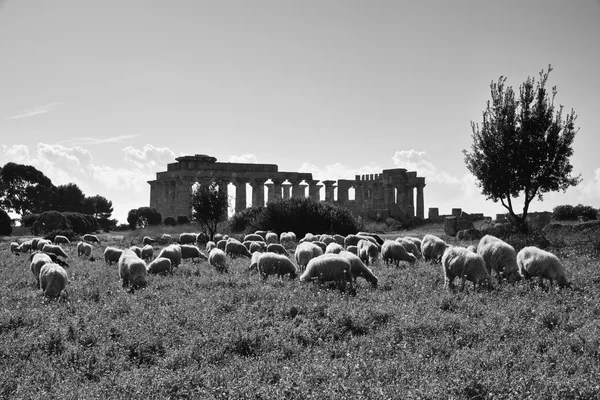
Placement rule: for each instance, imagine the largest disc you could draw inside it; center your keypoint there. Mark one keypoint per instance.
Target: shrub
(27, 220)
(68, 233)
(183, 219)
(585, 212)
(49, 221)
(107, 224)
(568, 212)
(143, 216)
(245, 220)
(5, 223)
(170, 221)
(80, 223)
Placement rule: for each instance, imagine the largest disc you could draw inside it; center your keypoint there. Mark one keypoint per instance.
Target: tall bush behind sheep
(466, 265)
(499, 256)
(533, 262)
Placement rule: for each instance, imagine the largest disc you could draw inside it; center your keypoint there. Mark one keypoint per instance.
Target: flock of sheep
(322, 258)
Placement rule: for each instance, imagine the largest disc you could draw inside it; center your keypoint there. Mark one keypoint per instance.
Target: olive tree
(209, 204)
(522, 146)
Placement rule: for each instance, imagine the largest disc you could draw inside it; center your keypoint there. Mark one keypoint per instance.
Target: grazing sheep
(59, 239)
(173, 253)
(334, 248)
(395, 252)
(137, 250)
(257, 246)
(352, 240)
(285, 239)
(34, 243)
(188, 238)
(147, 252)
(218, 259)
(26, 246)
(472, 248)
(132, 270)
(165, 239)
(217, 237)
(147, 240)
(84, 248)
(41, 243)
(309, 237)
(499, 256)
(88, 237)
(253, 237)
(292, 236)
(358, 268)
(112, 254)
(367, 251)
(254, 261)
(303, 254)
(432, 248)
(37, 261)
(15, 248)
(234, 248)
(160, 265)
(378, 240)
(277, 248)
(54, 249)
(322, 245)
(202, 238)
(272, 263)
(533, 261)
(210, 245)
(330, 268)
(271, 237)
(326, 239)
(262, 234)
(410, 246)
(221, 244)
(352, 249)
(53, 279)
(190, 251)
(415, 240)
(462, 263)
(339, 239)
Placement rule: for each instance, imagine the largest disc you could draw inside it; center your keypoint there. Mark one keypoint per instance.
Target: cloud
(18, 153)
(150, 157)
(35, 111)
(93, 141)
(591, 188)
(419, 161)
(244, 158)
(338, 171)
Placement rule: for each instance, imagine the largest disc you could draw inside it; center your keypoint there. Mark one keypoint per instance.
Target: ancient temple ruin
(170, 193)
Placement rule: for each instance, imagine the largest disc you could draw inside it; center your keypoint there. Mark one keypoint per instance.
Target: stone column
(411, 196)
(420, 202)
(342, 194)
(270, 192)
(388, 195)
(358, 195)
(329, 194)
(277, 189)
(240, 194)
(298, 190)
(258, 192)
(314, 190)
(286, 190)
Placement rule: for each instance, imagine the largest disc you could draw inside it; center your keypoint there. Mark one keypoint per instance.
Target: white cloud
(419, 161)
(18, 153)
(591, 189)
(244, 158)
(35, 111)
(150, 157)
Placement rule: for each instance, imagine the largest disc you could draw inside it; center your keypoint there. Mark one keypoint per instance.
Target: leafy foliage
(523, 145)
(143, 216)
(170, 221)
(246, 220)
(183, 219)
(98, 206)
(5, 223)
(24, 189)
(209, 206)
(68, 197)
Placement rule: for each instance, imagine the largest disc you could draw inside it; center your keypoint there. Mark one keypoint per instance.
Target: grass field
(201, 334)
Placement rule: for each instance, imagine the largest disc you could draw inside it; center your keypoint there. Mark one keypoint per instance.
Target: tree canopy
(209, 204)
(523, 145)
(24, 189)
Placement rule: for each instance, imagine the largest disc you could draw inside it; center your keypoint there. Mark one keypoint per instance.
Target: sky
(105, 93)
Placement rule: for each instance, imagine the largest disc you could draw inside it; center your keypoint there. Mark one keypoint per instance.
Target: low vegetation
(203, 334)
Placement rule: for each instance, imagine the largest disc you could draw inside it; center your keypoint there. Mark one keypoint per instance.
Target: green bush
(586, 212)
(299, 216)
(245, 220)
(170, 221)
(183, 219)
(5, 223)
(27, 220)
(81, 223)
(569, 213)
(49, 221)
(69, 234)
(143, 216)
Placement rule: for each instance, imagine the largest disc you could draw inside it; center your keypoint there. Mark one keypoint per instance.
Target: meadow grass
(201, 334)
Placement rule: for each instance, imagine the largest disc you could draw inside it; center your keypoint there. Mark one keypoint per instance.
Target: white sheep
(285, 239)
(84, 248)
(26, 246)
(112, 254)
(271, 237)
(88, 237)
(322, 245)
(257, 246)
(329, 268)
(334, 248)
(277, 248)
(60, 239)
(147, 240)
(221, 244)
(160, 265)
(272, 263)
(410, 246)
(499, 256)
(352, 240)
(41, 243)
(147, 252)
(53, 279)
(367, 251)
(173, 253)
(132, 270)
(34, 243)
(210, 245)
(37, 261)
(472, 248)
(190, 251)
(305, 252)
(234, 248)
(352, 249)
(137, 250)
(466, 265)
(262, 234)
(309, 237)
(432, 248)
(325, 238)
(165, 239)
(254, 260)
(253, 237)
(292, 236)
(54, 249)
(15, 248)
(415, 240)
(358, 268)
(218, 259)
(393, 251)
(533, 261)
(339, 239)
(187, 238)
(218, 237)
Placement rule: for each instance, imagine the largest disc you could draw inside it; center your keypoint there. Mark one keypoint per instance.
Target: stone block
(434, 213)
(398, 214)
(450, 226)
(463, 224)
(456, 212)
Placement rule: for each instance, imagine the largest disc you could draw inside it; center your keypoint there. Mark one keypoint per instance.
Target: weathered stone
(434, 213)
(456, 212)
(397, 213)
(462, 224)
(450, 226)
